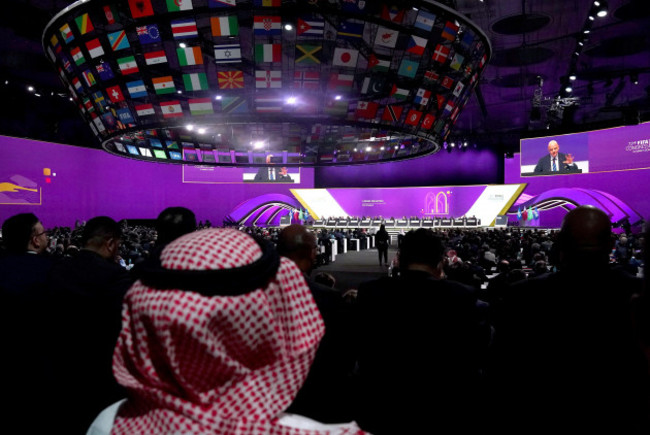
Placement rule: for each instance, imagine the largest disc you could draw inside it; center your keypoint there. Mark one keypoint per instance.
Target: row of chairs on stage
(414, 222)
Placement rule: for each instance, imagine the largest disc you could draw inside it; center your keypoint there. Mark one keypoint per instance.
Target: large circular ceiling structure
(234, 82)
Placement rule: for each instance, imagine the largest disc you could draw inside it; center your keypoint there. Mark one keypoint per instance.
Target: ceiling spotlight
(596, 3)
(586, 31)
(189, 127)
(453, 144)
(6, 82)
(179, 91)
(291, 100)
(288, 27)
(201, 130)
(465, 144)
(38, 95)
(568, 89)
(182, 45)
(338, 97)
(396, 147)
(258, 144)
(572, 77)
(382, 148)
(218, 97)
(30, 88)
(591, 17)
(634, 78)
(368, 149)
(601, 8)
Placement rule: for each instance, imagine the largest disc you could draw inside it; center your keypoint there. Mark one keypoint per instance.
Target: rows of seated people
(392, 222)
(186, 328)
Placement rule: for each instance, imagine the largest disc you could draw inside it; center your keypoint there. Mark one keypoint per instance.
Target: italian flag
(195, 82)
(268, 53)
(201, 106)
(164, 85)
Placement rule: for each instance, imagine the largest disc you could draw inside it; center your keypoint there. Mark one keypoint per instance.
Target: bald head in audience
(299, 245)
(585, 237)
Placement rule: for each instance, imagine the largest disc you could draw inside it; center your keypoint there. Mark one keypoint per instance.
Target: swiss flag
(428, 120)
(115, 94)
(366, 109)
(413, 117)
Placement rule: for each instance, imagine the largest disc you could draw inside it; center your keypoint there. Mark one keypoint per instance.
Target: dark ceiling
(530, 39)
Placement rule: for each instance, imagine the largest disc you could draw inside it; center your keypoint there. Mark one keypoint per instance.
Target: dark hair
(98, 229)
(17, 230)
(420, 246)
(174, 222)
(325, 278)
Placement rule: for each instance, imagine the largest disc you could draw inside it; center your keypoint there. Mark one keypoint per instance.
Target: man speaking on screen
(555, 161)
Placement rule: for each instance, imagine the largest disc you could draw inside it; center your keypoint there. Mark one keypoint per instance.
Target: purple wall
(86, 182)
(473, 166)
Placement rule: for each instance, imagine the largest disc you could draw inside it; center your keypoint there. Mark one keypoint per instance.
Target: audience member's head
(218, 337)
(298, 244)
(585, 238)
(420, 249)
(24, 232)
(174, 222)
(327, 279)
(102, 235)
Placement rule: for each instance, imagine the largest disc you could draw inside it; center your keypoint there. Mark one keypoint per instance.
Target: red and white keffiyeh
(222, 364)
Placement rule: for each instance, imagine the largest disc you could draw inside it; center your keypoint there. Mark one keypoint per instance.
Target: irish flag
(189, 56)
(225, 26)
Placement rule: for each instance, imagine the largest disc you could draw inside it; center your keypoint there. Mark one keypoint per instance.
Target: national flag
(467, 39)
(88, 105)
(431, 76)
(413, 117)
(66, 63)
(98, 98)
(306, 80)
(450, 31)
(441, 53)
(84, 24)
(340, 82)
(144, 109)
(422, 97)
(118, 40)
(54, 41)
(392, 13)
(458, 89)
(308, 54)
(230, 79)
(441, 100)
(77, 56)
(535, 213)
(201, 106)
(345, 57)
(234, 105)
(336, 107)
(98, 124)
(373, 86)
(148, 34)
(268, 104)
(310, 27)
(136, 89)
(350, 30)
(195, 82)
(155, 57)
(268, 79)
(399, 93)
(266, 25)
(530, 213)
(221, 3)
(127, 65)
(189, 56)
(179, 5)
(164, 85)
(124, 115)
(416, 45)
(77, 84)
(268, 3)
(425, 21)
(268, 53)
(227, 53)
(185, 28)
(171, 109)
(408, 68)
(457, 61)
(358, 6)
(427, 122)
(66, 33)
(111, 14)
(518, 212)
(377, 64)
(449, 106)
(89, 78)
(447, 82)
(115, 94)
(225, 26)
(94, 48)
(386, 37)
(392, 113)
(366, 110)
(482, 61)
(140, 8)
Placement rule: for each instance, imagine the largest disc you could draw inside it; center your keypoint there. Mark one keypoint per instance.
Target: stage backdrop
(62, 183)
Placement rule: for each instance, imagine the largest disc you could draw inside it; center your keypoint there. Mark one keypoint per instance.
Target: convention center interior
(325, 216)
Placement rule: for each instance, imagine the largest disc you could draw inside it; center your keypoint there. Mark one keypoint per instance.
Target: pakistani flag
(195, 82)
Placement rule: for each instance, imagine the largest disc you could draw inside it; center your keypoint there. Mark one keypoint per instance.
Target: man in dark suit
(555, 161)
(271, 173)
(420, 341)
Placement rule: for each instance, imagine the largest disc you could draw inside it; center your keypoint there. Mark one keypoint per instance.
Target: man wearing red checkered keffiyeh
(217, 338)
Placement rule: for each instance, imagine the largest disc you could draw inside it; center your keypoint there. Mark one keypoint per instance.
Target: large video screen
(614, 149)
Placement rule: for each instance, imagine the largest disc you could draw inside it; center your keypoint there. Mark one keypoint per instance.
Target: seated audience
(566, 352)
(217, 339)
(420, 343)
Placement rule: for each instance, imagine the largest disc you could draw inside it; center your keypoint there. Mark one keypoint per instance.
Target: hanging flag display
(268, 53)
(268, 79)
(224, 26)
(195, 82)
(308, 27)
(189, 56)
(183, 29)
(155, 57)
(148, 34)
(230, 79)
(118, 40)
(164, 85)
(227, 53)
(345, 57)
(264, 25)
